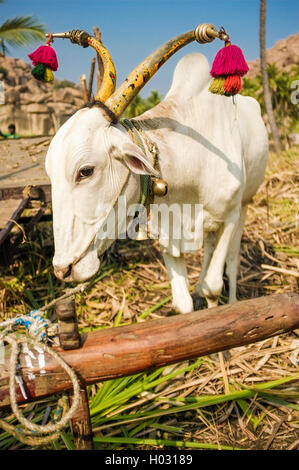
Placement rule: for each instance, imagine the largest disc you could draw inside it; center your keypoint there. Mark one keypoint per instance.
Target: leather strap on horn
(122, 97)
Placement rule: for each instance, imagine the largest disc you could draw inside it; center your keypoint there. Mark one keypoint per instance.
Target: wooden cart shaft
(127, 350)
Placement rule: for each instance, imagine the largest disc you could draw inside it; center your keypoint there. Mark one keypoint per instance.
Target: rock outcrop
(35, 108)
(284, 53)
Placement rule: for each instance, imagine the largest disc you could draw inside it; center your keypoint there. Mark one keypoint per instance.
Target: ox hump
(191, 76)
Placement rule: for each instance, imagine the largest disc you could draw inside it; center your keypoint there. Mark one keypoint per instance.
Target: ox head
(91, 160)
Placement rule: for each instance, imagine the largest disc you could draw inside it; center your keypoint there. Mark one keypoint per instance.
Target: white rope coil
(36, 328)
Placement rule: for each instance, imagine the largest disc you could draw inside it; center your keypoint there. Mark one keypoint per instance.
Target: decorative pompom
(39, 71)
(45, 55)
(45, 60)
(48, 77)
(229, 61)
(232, 85)
(217, 86)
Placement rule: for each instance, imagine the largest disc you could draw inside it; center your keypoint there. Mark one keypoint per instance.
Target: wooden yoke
(127, 350)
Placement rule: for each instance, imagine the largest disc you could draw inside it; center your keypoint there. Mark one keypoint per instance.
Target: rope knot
(35, 324)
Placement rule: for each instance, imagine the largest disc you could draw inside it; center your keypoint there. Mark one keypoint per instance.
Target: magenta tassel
(229, 61)
(44, 55)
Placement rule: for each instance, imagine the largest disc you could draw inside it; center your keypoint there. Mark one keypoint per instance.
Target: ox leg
(198, 297)
(177, 272)
(209, 246)
(233, 258)
(213, 281)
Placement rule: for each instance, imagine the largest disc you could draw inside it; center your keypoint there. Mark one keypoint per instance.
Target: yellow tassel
(48, 77)
(217, 85)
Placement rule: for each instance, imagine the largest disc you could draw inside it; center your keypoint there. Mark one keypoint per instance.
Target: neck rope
(134, 130)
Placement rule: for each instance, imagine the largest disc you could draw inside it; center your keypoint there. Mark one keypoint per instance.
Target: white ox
(212, 151)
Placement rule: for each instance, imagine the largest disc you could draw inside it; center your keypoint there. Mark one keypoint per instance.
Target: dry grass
(135, 282)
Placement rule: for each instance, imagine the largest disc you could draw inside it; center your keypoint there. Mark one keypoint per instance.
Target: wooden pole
(265, 79)
(69, 337)
(84, 88)
(28, 193)
(81, 424)
(14, 218)
(91, 75)
(42, 192)
(127, 350)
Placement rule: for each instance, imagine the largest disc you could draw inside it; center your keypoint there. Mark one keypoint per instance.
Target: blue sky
(132, 29)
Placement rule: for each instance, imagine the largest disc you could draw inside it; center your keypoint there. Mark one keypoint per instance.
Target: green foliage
(64, 84)
(140, 105)
(20, 31)
(286, 113)
(109, 405)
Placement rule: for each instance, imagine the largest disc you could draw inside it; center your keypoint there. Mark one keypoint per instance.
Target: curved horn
(109, 76)
(121, 98)
(84, 39)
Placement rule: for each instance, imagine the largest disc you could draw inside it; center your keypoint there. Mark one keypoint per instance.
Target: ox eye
(84, 172)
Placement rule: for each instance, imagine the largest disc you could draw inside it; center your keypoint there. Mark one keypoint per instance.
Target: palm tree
(140, 105)
(19, 31)
(154, 98)
(267, 94)
(280, 83)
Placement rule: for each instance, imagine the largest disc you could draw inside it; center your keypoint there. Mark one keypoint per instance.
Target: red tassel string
(232, 85)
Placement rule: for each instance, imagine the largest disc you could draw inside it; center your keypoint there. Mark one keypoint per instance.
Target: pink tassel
(229, 61)
(44, 55)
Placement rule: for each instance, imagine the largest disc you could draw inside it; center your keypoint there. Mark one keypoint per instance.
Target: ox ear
(136, 160)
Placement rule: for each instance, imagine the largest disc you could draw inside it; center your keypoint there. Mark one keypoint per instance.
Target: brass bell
(141, 235)
(142, 232)
(160, 187)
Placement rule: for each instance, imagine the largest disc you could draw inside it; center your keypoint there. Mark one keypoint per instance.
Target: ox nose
(63, 273)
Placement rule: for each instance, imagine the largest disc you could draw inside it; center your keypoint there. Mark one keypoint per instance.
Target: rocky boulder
(35, 108)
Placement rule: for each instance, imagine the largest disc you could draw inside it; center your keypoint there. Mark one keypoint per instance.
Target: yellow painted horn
(84, 39)
(122, 97)
(109, 76)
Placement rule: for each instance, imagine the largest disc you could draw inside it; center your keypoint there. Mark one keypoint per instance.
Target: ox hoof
(188, 308)
(199, 303)
(63, 273)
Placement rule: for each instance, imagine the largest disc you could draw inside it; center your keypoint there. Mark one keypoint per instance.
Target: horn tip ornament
(228, 67)
(76, 36)
(205, 32)
(84, 39)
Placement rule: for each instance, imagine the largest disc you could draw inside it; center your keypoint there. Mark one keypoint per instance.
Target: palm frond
(21, 31)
